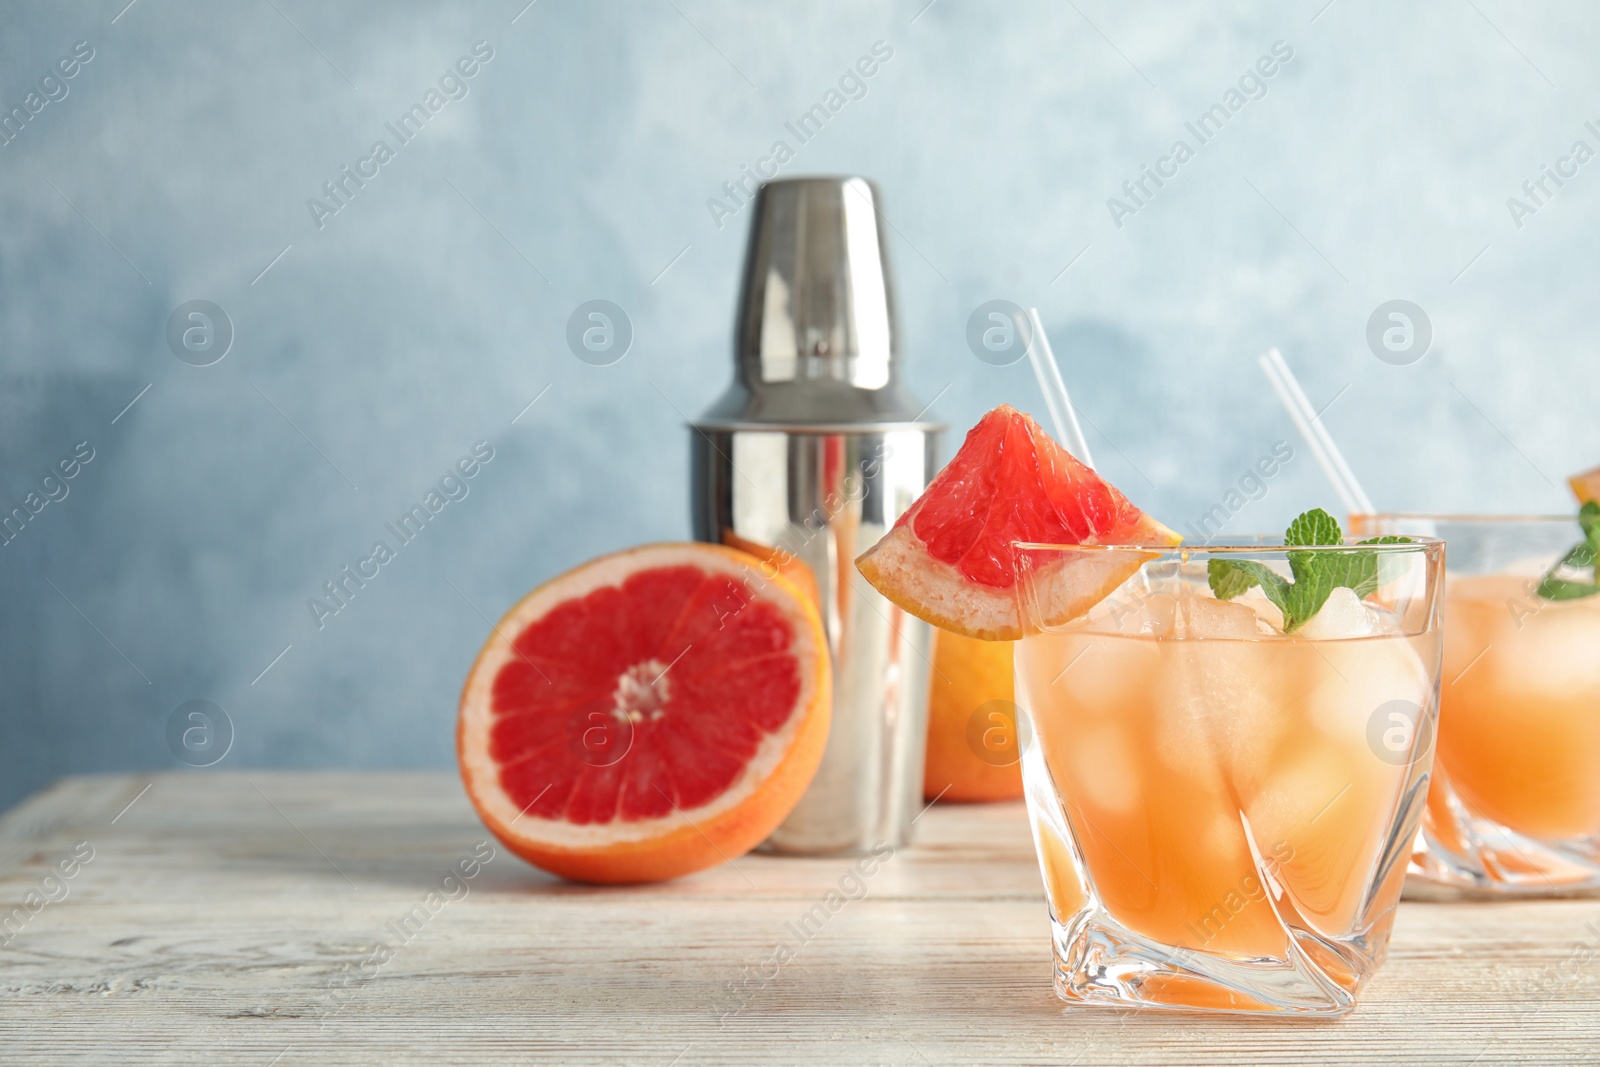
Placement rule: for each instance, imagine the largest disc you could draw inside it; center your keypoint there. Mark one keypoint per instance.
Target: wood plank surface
(242, 918)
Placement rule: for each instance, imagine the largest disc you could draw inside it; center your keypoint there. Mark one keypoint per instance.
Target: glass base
(1101, 963)
(1462, 855)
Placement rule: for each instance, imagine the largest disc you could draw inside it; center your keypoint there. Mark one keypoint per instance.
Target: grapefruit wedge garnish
(1586, 486)
(648, 714)
(951, 560)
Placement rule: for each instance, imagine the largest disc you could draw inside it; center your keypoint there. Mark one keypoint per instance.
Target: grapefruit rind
(1059, 591)
(648, 850)
(1066, 585)
(901, 569)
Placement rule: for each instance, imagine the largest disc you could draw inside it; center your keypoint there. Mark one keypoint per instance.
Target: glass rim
(1466, 518)
(1274, 546)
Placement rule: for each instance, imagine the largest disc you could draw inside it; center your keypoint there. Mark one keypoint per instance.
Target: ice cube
(1265, 609)
(1355, 679)
(1342, 615)
(1090, 674)
(1180, 693)
(1554, 653)
(1104, 774)
(1208, 618)
(1385, 621)
(1134, 613)
(1321, 815)
(1298, 792)
(1221, 708)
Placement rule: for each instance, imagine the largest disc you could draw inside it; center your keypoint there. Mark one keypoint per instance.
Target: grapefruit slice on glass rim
(951, 558)
(1586, 486)
(648, 714)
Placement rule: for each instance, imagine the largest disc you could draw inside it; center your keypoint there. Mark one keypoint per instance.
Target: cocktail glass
(1514, 807)
(1223, 812)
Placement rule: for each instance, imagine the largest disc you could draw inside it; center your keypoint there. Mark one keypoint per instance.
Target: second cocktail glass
(1224, 811)
(1514, 808)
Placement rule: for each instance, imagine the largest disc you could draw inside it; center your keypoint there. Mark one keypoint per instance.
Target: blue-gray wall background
(426, 314)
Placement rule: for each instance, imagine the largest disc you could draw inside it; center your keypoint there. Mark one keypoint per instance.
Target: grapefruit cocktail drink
(1224, 772)
(1225, 750)
(1515, 803)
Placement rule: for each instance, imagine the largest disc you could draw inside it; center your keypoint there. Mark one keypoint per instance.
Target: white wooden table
(240, 919)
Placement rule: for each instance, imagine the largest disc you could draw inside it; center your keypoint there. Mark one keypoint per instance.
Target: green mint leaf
(1314, 527)
(1323, 572)
(1589, 519)
(1305, 599)
(1579, 555)
(1228, 580)
(1309, 592)
(1312, 583)
(1389, 566)
(1233, 578)
(1315, 575)
(1583, 555)
(1553, 588)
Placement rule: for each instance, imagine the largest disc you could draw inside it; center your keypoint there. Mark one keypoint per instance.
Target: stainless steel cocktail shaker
(811, 456)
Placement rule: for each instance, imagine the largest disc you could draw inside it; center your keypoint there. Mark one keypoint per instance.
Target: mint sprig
(1585, 553)
(1315, 574)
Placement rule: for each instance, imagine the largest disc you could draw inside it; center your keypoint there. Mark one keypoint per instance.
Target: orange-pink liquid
(1221, 790)
(1519, 727)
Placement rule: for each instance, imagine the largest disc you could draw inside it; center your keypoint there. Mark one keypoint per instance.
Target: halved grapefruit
(647, 714)
(950, 558)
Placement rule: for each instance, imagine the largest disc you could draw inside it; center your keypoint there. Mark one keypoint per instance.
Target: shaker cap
(816, 338)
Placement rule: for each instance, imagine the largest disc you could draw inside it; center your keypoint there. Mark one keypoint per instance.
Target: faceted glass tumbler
(1223, 811)
(1514, 808)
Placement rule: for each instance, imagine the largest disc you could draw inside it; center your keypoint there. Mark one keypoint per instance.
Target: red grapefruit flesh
(951, 559)
(647, 714)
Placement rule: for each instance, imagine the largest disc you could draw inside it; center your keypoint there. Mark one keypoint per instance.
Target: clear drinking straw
(1056, 400)
(1309, 423)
